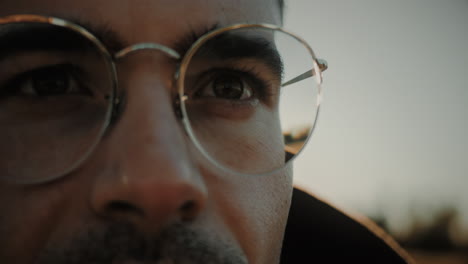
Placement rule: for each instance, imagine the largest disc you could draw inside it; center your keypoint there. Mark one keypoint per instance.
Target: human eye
(234, 84)
(47, 81)
(228, 84)
(44, 88)
(228, 91)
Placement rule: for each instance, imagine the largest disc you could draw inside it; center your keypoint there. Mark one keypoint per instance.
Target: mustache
(122, 242)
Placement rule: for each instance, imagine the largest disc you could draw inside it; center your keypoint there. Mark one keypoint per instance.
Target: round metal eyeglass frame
(320, 65)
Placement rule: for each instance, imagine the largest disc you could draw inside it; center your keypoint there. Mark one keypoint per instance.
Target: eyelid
(27, 62)
(11, 84)
(215, 73)
(263, 91)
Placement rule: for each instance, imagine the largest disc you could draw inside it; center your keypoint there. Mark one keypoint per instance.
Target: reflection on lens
(294, 140)
(55, 88)
(247, 100)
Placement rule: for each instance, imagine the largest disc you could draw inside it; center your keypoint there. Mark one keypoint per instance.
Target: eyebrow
(186, 42)
(109, 37)
(35, 36)
(225, 46)
(230, 46)
(44, 36)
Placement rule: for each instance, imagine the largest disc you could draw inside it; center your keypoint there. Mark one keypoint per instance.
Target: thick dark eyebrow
(109, 37)
(184, 44)
(229, 46)
(17, 37)
(40, 36)
(34, 36)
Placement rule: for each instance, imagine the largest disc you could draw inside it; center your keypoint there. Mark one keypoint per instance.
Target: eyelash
(266, 85)
(263, 86)
(10, 86)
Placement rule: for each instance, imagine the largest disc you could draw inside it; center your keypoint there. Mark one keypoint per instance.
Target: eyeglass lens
(54, 100)
(239, 112)
(56, 85)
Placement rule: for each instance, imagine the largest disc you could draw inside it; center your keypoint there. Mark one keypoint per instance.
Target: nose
(150, 177)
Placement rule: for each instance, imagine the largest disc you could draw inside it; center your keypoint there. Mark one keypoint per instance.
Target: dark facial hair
(121, 242)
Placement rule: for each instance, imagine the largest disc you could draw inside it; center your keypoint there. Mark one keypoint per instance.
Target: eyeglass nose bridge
(147, 46)
(140, 47)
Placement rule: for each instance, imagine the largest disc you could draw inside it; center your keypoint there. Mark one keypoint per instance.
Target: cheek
(251, 146)
(271, 212)
(31, 215)
(26, 222)
(255, 209)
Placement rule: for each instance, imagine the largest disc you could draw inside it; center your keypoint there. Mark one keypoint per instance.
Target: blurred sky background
(392, 133)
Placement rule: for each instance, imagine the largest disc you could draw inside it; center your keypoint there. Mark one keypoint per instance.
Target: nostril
(188, 210)
(122, 207)
(187, 206)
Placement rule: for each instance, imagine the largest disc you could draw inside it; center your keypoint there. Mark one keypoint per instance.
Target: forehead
(141, 18)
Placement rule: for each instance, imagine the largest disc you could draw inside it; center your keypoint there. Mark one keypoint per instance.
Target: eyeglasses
(248, 96)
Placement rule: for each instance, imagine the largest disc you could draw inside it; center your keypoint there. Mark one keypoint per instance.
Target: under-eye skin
(46, 81)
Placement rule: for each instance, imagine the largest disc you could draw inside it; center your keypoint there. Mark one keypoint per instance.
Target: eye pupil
(51, 82)
(228, 87)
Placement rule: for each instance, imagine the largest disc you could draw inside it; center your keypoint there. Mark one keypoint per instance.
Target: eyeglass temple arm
(323, 65)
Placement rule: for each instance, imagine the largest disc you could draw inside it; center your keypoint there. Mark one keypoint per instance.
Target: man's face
(143, 196)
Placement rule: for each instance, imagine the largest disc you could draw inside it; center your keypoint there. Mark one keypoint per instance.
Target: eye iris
(228, 87)
(51, 82)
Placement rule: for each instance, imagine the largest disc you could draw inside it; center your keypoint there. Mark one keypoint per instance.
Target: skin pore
(145, 195)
